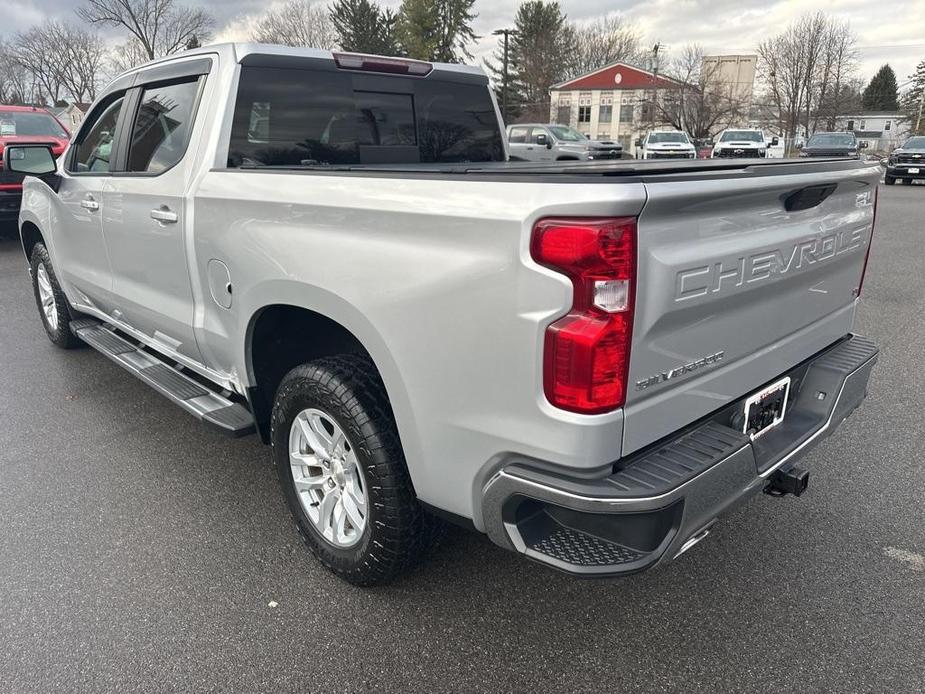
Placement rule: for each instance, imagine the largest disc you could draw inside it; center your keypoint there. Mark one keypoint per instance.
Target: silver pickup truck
(588, 362)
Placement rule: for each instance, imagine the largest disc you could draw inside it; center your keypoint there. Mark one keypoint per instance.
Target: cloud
(892, 32)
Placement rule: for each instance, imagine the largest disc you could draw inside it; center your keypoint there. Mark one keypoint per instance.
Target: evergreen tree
(363, 27)
(437, 30)
(880, 94)
(539, 56)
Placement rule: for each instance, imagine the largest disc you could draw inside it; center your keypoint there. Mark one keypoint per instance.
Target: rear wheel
(50, 299)
(343, 471)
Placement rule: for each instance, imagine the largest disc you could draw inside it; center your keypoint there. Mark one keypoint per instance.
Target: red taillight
(586, 353)
(870, 243)
(375, 63)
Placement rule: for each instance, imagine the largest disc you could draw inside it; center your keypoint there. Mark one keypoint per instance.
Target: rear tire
(50, 299)
(345, 394)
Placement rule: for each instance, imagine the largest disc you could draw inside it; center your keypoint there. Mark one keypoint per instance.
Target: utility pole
(505, 33)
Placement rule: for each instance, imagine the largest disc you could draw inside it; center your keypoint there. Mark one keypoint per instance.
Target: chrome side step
(207, 405)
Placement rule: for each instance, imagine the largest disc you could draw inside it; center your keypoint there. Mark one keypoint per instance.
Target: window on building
(605, 113)
(863, 126)
(888, 124)
(626, 113)
(564, 115)
(850, 125)
(584, 114)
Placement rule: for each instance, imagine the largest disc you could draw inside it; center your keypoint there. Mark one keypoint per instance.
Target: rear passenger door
(145, 215)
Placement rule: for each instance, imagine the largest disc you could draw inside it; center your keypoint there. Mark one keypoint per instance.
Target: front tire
(343, 472)
(50, 299)
(889, 180)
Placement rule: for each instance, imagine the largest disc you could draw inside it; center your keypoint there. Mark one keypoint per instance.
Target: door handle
(164, 215)
(89, 203)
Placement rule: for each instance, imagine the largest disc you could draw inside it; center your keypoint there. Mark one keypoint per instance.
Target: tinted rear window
(292, 117)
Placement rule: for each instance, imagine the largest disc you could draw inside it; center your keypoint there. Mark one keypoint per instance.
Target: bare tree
(837, 84)
(702, 103)
(16, 83)
(127, 55)
(35, 52)
(63, 59)
(297, 23)
(603, 42)
(160, 27)
(807, 71)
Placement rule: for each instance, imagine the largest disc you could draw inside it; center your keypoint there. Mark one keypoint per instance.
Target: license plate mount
(766, 409)
(913, 170)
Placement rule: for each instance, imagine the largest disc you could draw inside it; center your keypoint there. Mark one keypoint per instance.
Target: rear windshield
(29, 123)
(292, 117)
(742, 136)
(831, 140)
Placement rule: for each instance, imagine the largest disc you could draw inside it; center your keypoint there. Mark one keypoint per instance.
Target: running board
(207, 405)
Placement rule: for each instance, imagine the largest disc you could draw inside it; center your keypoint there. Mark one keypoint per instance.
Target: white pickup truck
(588, 361)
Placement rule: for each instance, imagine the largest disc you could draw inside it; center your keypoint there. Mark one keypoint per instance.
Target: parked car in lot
(331, 251)
(743, 144)
(25, 124)
(665, 144)
(906, 163)
(541, 142)
(832, 145)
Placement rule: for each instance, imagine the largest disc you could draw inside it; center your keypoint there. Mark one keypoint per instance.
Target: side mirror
(542, 141)
(799, 145)
(32, 160)
(863, 145)
(639, 143)
(775, 141)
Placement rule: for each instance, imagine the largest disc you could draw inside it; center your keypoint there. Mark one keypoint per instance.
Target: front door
(144, 218)
(86, 271)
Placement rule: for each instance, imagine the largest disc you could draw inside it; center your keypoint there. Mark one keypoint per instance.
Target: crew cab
(587, 361)
(906, 163)
(665, 144)
(540, 142)
(743, 143)
(25, 124)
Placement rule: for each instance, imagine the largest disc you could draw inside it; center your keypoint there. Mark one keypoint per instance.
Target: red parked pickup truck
(25, 124)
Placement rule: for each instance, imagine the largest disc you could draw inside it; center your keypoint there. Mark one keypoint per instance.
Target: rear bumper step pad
(209, 406)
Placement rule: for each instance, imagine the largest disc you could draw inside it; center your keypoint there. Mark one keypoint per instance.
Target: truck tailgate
(736, 284)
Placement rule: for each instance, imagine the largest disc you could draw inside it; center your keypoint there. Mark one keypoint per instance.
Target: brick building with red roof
(612, 103)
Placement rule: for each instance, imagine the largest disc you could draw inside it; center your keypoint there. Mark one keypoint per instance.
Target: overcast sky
(890, 31)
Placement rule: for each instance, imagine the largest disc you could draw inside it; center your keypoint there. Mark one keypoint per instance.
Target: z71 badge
(679, 371)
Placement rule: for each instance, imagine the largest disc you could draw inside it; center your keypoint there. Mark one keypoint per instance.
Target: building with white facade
(883, 131)
(612, 103)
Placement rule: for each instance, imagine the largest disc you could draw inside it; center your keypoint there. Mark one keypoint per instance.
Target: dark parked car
(907, 162)
(833, 145)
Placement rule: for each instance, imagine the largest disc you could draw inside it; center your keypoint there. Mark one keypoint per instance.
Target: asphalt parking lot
(140, 552)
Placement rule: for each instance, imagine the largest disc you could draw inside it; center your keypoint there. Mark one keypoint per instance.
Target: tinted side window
(292, 117)
(162, 125)
(95, 147)
(518, 135)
